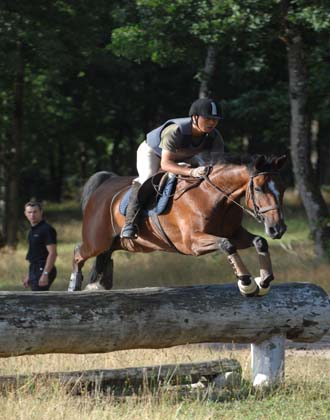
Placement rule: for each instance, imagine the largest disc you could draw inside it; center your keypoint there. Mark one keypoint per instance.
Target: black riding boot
(129, 230)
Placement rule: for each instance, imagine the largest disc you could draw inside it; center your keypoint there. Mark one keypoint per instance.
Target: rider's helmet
(207, 108)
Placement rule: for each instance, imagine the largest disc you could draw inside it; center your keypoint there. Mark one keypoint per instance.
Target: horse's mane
(214, 159)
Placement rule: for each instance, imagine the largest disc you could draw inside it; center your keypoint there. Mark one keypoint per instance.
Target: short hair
(33, 204)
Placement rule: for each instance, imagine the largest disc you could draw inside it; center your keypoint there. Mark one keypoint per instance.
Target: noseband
(257, 212)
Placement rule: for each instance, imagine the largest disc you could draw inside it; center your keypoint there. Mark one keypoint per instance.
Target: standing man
(42, 250)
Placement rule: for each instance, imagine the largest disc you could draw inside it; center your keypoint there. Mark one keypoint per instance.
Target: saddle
(154, 194)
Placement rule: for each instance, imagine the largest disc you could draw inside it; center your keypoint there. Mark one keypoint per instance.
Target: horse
(204, 215)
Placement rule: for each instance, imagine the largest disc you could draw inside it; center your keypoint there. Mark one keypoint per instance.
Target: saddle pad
(162, 200)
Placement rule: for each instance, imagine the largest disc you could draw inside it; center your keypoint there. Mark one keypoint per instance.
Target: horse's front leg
(203, 243)
(266, 270)
(244, 239)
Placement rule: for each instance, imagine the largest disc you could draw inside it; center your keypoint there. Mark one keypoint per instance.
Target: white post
(267, 361)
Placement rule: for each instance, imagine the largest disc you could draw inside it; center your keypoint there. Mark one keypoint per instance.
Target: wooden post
(267, 361)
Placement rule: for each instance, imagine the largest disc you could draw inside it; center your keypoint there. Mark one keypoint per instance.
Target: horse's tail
(94, 182)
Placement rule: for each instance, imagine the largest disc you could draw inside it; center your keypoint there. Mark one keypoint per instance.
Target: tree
(296, 20)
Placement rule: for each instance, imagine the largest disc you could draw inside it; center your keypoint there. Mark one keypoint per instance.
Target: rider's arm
(170, 143)
(168, 164)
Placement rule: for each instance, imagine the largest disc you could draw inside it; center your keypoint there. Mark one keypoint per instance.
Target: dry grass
(304, 396)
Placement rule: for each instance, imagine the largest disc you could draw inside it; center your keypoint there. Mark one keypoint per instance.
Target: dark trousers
(35, 271)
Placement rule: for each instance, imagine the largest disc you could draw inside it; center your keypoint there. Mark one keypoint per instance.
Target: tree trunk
(305, 177)
(13, 167)
(97, 322)
(323, 141)
(2, 197)
(208, 73)
(56, 157)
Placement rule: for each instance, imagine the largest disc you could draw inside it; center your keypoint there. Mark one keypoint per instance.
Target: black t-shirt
(39, 237)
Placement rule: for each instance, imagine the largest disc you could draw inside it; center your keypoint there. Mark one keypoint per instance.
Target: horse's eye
(258, 189)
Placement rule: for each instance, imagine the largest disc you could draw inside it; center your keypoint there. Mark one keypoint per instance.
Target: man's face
(207, 125)
(33, 214)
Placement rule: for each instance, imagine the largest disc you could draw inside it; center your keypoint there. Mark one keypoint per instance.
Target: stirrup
(129, 231)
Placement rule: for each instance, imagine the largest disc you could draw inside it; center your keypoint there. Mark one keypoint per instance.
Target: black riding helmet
(207, 108)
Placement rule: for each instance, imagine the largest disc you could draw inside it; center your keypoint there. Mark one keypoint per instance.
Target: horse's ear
(279, 162)
(259, 162)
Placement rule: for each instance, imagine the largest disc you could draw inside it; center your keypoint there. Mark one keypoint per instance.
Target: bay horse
(203, 216)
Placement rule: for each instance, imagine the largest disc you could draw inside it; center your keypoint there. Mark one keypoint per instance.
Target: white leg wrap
(93, 287)
(262, 290)
(247, 289)
(75, 283)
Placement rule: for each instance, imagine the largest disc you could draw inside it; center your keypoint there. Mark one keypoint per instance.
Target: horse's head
(264, 194)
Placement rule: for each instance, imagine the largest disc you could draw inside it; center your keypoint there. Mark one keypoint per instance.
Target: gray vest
(154, 136)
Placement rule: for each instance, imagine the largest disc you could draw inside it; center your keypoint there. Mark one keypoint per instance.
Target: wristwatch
(45, 273)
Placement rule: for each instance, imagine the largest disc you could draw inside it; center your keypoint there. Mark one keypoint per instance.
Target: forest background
(81, 83)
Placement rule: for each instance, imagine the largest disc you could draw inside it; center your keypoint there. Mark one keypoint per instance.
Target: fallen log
(134, 377)
(96, 322)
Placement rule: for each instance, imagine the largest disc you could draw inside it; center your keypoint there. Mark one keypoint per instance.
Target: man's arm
(50, 262)
(26, 281)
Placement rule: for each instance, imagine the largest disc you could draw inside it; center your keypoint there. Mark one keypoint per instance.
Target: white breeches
(147, 162)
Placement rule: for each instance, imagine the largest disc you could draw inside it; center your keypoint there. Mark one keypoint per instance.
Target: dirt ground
(320, 348)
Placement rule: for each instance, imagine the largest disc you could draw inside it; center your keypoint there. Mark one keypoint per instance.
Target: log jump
(83, 322)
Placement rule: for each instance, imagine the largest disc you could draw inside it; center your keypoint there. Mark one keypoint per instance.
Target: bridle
(257, 212)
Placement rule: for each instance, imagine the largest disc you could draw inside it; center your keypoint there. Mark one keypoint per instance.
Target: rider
(173, 142)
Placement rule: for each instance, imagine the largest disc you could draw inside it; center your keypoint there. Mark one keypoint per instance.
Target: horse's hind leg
(101, 274)
(76, 277)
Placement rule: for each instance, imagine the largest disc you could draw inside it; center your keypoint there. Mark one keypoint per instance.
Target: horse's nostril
(272, 230)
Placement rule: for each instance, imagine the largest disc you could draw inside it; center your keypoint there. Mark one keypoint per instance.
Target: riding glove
(198, 172)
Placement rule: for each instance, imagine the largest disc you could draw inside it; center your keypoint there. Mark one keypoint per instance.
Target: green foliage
(99, 75)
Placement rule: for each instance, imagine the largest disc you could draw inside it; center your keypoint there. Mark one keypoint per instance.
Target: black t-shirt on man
(39, 237)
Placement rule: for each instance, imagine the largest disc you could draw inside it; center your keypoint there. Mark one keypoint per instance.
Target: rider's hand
(198, 172)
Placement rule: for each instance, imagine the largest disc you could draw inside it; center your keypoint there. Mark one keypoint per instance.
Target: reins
(257, 212)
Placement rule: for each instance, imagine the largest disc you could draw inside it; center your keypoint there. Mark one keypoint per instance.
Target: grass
(303, 396)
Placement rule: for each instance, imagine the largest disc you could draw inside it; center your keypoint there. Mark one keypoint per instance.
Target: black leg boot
(129, 230)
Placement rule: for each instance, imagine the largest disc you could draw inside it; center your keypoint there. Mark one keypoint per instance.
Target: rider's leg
(129, 230)
(147, 164)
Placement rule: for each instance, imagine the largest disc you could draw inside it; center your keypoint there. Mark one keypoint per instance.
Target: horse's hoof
(262, 290)
(93, 287)
(248, 290)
